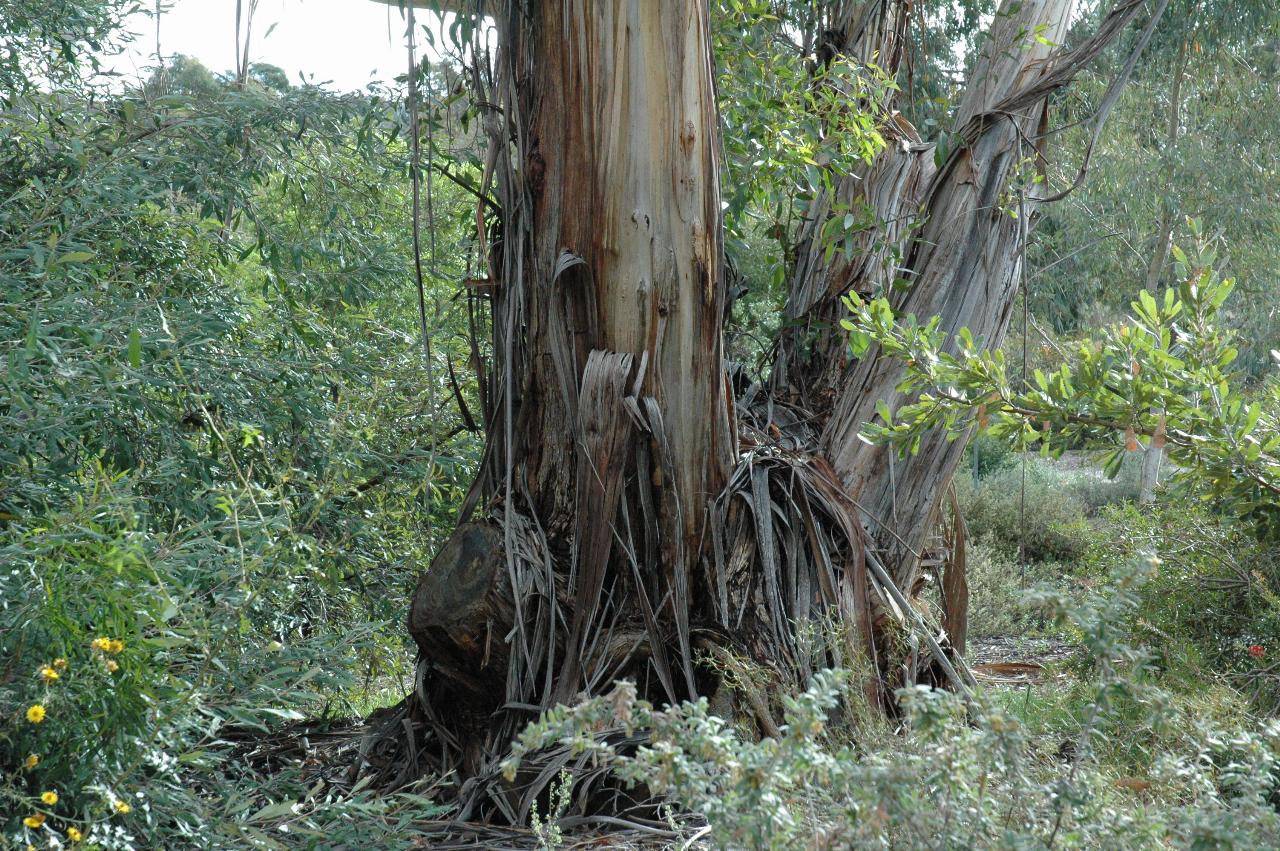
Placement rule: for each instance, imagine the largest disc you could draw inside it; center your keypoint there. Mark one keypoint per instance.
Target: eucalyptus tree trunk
(949, 244)
(1153, 456)
(631, 517)
(612, 426)
(964, 257)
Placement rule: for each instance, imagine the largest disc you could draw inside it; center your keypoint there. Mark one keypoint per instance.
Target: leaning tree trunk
(949, 244)
(631, 517)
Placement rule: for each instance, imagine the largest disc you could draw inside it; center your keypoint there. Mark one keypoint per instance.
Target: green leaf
(859, 342)
(1251, 417)
(281, 809)
(1147, 308)
(135, 348)
(1112, 463)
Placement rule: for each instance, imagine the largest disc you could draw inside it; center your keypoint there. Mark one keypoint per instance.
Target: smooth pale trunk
(961, 262)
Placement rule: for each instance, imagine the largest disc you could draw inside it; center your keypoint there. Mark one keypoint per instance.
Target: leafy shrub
(1165, 375)
(218, 476)
(1216, 605)
(1096, 490)
(998, 601)
(966, 777)
(129, 652)
(1051, 523)
(985, 455)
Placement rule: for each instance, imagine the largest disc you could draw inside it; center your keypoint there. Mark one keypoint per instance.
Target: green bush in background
(1049, 518)
(219, 478)
(1215, 611)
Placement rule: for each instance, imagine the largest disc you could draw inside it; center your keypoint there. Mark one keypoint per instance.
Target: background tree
(1179, 146)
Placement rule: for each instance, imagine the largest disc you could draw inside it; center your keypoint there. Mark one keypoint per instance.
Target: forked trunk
(949, 243)
(631, 518)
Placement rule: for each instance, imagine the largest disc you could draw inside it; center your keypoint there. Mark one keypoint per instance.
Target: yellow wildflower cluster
(108, 645)
(36, 714)
(50, 798)
(36, 821)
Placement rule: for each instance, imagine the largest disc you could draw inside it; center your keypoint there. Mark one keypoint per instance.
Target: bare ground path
(1017, 660)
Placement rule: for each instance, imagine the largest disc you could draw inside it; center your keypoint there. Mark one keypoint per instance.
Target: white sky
(348, 42)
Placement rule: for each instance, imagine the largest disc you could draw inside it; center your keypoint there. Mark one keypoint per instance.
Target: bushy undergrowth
(997, 590)
(219, 475)
(1042, 533)
(967, 775)
(1215, 611)
(1050, 516)
(132, 651)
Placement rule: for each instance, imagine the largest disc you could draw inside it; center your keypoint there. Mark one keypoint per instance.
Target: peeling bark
(961, 263)
(812, 353)
(612, 429)
(631, 518)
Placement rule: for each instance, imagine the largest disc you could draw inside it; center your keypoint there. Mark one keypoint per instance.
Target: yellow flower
(31, 761)
(74, 834)
(112, 665)
(35, 713)
(34, 822)
(60, 664)
(102, 643)
(115, 646)
(48, 674)
(120, 806)
(49, 798)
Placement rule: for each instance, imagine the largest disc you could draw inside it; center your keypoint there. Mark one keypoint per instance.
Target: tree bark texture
(611, 429)
(952, 240)
(631, 518)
